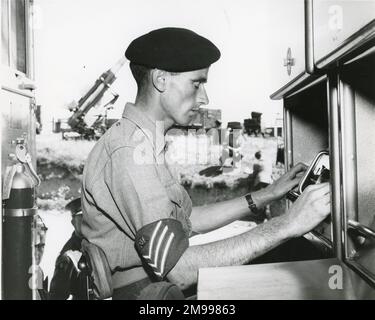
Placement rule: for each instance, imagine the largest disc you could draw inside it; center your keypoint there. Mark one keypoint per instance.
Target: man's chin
(183, 122)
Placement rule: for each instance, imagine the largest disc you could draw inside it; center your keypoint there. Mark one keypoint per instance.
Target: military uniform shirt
(127, 185)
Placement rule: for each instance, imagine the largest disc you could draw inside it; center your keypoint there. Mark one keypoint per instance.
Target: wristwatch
(252, 206)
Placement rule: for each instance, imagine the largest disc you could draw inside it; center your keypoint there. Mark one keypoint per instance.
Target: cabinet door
(286, 33)
(17, 105)
(358, 110)
(336, 20)
(309, 132)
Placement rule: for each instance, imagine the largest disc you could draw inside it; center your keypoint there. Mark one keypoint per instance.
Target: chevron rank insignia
(161, 244)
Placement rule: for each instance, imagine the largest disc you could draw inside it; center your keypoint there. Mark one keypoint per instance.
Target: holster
(98, 270)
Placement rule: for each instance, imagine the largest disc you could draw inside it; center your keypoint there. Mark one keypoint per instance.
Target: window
(13, 34)
(4, 32)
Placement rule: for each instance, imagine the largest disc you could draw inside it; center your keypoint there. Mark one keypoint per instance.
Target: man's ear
(159, 79)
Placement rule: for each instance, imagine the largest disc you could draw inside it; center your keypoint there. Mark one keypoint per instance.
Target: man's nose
(203, 97)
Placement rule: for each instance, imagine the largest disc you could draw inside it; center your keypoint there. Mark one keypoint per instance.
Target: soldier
(133, 207)
(67, 281)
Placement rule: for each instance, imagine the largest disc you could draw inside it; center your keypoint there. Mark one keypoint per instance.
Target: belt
(131, 291)
(126, 277)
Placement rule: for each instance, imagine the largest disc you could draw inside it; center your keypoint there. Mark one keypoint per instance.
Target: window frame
(29, 70)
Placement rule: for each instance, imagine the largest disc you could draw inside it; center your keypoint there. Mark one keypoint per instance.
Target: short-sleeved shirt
(126, 185)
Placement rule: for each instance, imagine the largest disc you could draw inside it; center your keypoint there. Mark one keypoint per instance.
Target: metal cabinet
(17, 78)
(335, 21)
(323, 32)
(17, 128)
(335, 110)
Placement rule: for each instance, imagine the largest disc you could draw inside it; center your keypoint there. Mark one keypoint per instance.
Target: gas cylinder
(18, 214)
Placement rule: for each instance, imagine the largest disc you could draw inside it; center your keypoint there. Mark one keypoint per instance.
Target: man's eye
(196, 85)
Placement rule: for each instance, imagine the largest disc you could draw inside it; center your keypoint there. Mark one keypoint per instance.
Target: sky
(77, 40)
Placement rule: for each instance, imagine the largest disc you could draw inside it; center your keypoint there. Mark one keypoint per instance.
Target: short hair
(140, 74)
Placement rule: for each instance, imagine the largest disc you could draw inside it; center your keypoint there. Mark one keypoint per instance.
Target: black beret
(173, 49)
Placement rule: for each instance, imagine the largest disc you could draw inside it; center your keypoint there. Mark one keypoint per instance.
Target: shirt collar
(154, 131)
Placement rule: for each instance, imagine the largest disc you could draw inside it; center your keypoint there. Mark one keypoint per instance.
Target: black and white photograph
(208, 151)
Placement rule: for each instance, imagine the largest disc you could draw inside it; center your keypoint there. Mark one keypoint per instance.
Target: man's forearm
(237, 250)
(213, 216)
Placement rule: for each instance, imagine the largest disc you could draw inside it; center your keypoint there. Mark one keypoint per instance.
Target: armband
(161, 244)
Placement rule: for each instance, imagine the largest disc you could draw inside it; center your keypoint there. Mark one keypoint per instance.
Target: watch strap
(250, 202)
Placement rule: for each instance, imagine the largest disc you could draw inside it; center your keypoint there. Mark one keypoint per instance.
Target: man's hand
(311, 208)
(286, 182)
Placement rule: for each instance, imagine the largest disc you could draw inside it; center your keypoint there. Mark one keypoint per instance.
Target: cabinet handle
(363, 230)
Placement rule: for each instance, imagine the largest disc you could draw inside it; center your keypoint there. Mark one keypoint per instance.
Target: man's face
(184, 94)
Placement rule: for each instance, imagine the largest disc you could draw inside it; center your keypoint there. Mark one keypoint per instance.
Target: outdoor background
(77, 40)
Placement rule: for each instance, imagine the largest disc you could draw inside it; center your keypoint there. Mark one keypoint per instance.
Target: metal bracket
(27, 86)
(24, 157)
(289, 61)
